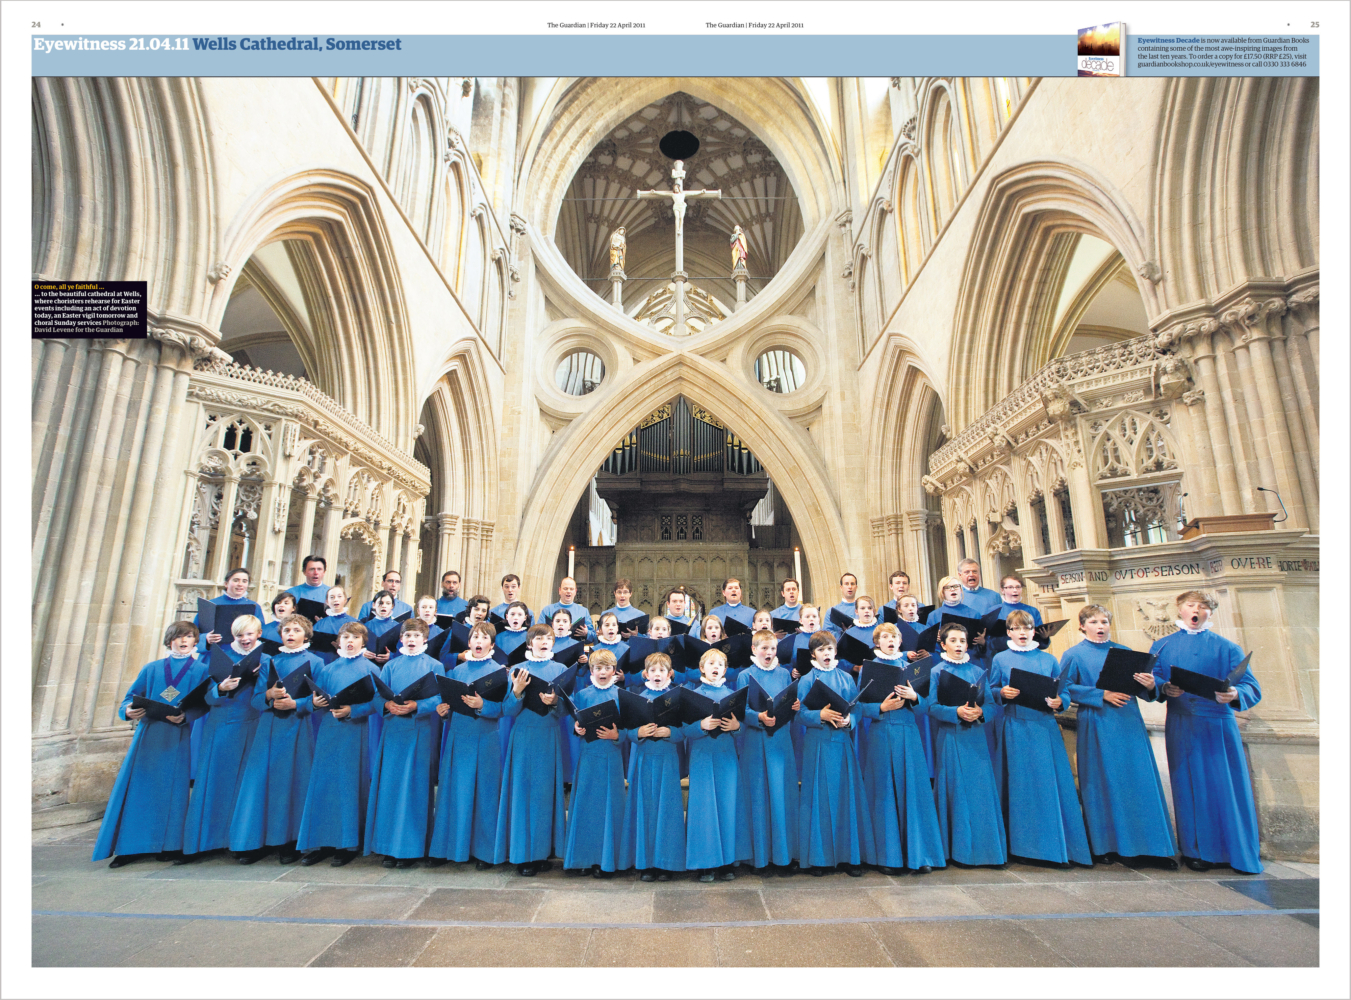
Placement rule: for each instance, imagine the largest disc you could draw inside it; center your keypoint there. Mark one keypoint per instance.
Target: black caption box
(89, 310)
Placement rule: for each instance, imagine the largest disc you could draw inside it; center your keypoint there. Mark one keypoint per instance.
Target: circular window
(679, 144)
(579, 373)
(780, 370)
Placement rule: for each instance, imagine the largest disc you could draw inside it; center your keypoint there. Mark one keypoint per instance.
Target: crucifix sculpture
(679, 196)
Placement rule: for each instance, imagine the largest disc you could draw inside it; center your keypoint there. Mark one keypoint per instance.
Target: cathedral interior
(1067, 331)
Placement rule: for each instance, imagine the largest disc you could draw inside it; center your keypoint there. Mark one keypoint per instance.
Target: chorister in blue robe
(277, 770)
(508, 640)
(254, 608)
(1005, 609)
(530, 811)
(227, 734)
(970, 818)
(399, 814)
(983, 600)
(1212, 793)
(400, 608)
(1032, 771)
(849, 608)
(334, 815)
(625, 615)
(271, 632)
(596, 809)
(501, 612)
(788, 611)
(379, 626)
(833, 823)
(896, 778)
(149, 800)
(743, 613)
(450, 605)
(580, 616)
(470, 776)
(654, 809)
(303, 591)
(769, 774)
(1124, 806)
(331, 624)
(635, 672)
(961, 609)
(717, 828)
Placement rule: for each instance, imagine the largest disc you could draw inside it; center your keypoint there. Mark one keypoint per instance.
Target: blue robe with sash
(149, 800)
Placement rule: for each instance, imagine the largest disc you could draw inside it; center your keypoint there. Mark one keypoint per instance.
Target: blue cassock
(596, 808)
(501, 612)
(272, 631)
(530, 811)
(470, 776)
(849, 608)
(227, 734)
(150, 796)
(970, 819)
(305, 591)
(1124, 807)
(982, 599)
(896, 779)
(624, 615)
(580, 616)
(1212, 793)
(1032, 771)
(379, 626)
(331, 625)
(1005, 609)
(508, 640)
(769, 774)
(256, 610)
(335, 800)
(277, 769)
(654, 811)
(400, 608)
(450, 605)
(864, 634)
(717, 829)
(399, 815)
(833, 822)
(784, 611)
(741, 612)
(965, 610)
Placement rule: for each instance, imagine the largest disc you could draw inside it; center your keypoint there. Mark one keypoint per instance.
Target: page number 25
(1313, 24)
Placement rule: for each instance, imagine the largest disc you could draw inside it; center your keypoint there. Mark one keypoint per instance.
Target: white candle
(797, 567)
(572, 558)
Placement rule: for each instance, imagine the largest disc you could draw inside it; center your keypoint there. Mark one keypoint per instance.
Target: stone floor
(149, 914)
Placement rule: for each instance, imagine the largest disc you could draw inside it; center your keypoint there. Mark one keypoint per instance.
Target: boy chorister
(150, 796)
(654, 813)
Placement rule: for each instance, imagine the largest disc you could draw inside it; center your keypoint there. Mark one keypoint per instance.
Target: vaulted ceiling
(756, 195)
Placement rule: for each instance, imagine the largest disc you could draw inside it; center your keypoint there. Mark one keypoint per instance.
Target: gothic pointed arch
(335, 232)
(1023, 239)
(576, 452)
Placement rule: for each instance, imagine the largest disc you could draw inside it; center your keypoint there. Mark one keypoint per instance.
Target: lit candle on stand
(797, 567)
(572, 559)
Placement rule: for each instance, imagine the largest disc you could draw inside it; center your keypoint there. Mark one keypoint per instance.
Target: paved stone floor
(149, 914)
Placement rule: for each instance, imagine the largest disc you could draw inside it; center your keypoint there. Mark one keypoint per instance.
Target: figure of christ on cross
(679, 196)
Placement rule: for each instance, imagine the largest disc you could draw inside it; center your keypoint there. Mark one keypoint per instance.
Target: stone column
(1226, 469)
(329, 541)
(1055, 524)
(921, 570)
(309, 500)
(224, 530)
(394, 559)
(1193, 432)
(739, 276)
(1252, 421)
(471, 580)
(486, 568)
(445, 538)
(409, 566)
(1236, 422)
(386, 536)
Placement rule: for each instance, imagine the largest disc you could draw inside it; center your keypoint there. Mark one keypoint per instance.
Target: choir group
(788, 739)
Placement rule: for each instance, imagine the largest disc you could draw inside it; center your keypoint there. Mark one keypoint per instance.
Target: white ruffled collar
(1023, 649)
(1184, 627)
(481, 659)
(652, 687)
(334, 614)
(242, 652)
(299, 649)
(827, 668)
(404, 649)
(603, 687)
(773, 664)
(966, 658)
(538, 659)
(350, 656)
(721, 682)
